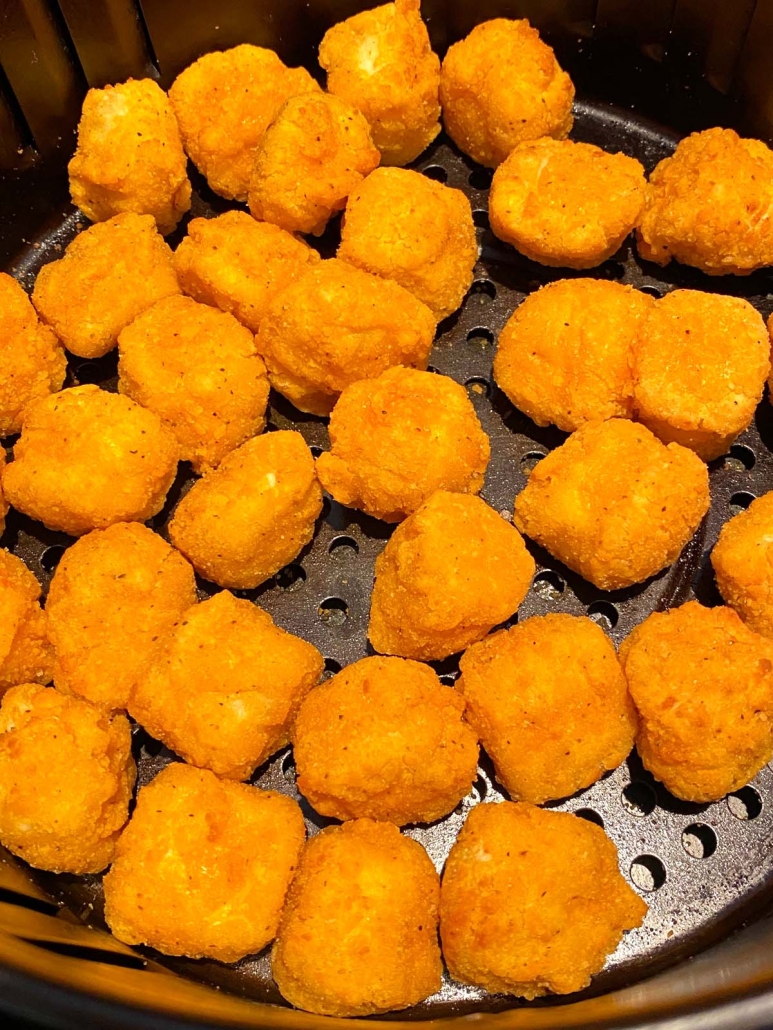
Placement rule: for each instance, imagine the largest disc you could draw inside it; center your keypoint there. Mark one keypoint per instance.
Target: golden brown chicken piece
(129, 156)
(26, 656)
(358, 933)
(203, 866)
(532, 901)
(66, 779)
(743, 564)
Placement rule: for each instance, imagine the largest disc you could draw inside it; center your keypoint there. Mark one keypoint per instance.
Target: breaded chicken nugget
(502, 85)
(224, 687)
(203, 867)
(699, 369)
(449, 573)
(26, 656)
(129, 156)
(115, 596)
(381, 62)
(336, 325)
(551, 705)
(703, 686)
(709, 205)
(384, 739)
(403, 226)
(566, 204)
(87, 458)
(32, 362)
(398, 438)
(613, 503)
(743, 564)
(565, 355)
(199, 370)
(246, 520)
(532, 901)
(109, 274)
(239, 265)
(308, 162)
(224, 102)
(358, 934)
(66, 779)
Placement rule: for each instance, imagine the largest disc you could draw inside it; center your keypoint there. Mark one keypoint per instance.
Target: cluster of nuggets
(531, 900)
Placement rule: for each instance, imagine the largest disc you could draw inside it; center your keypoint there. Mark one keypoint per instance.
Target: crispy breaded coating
(709, 205)
(66, 779)
(550, 703)
(309, 160)
(32, 362)
(129, 156)
(614, 503)
(203, 866)
(224, 687)
(26, 656)
(115, 596)
(501, 85)
(246, 520)
(358, 933)
(336, 325)
(532, 901)
(403, 226)
(396, 439)
(381, 62)
(702, 683)
(564, 357)
(743, 564)
(199, 370)
(4, 505)
(449, 574)
(109, 274)
(699, 369)
(87, 458)
(224, 102)
(384, 739)
(566, 204)
(239, 265)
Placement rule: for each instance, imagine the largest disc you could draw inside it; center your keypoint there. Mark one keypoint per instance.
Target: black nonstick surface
(703, 869)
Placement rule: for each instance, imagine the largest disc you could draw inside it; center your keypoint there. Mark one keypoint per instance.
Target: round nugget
(129, 156)
(224, 102)
(225, 685)
(32, 362)
(87, 458)
(199, 370)
(449, 574)
(708, 205)
(396, 439)
(357, 755)
(203, 867)
(246, 520)
(532, 901)
(337, 325)
(614, 503)
(26, 656)
(308, 162)
(702, 683)
(565, 355)
(501, 85)
(115, 595)
(550, 703)
(566, 204)
(239, 265)
(358, 934)
(66, 779)
(403, 226)
(109, 274)
(743, 564)
(381, 62)
(699, 369)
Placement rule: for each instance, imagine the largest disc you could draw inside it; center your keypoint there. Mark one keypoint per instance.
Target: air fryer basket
(705, 870)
